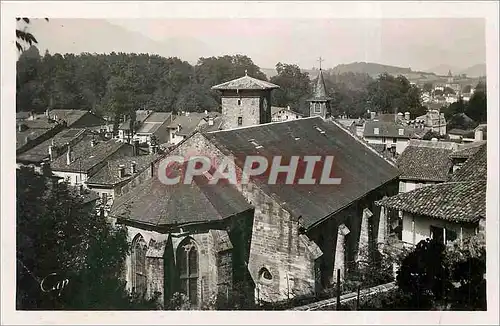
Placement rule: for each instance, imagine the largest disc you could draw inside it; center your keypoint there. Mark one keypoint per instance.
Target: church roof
(245, 83)
(319, 93)
(360, 168)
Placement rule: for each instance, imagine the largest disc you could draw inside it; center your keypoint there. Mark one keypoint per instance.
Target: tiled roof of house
(40, 152)
(475, 168)
(21, 115)
(361, 169)
(109, 175)
(153, 122)
(426, 161)
(245, 83)
(276, 109)
(188, 124)
(452, 201)
(387, 129)
(217, 125)
(467, 150)
(85, 156)
(68, 115)
(154, 203)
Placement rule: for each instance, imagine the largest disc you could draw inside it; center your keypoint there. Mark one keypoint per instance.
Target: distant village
(280, 241)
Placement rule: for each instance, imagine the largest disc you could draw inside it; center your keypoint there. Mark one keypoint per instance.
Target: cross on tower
(320, 61)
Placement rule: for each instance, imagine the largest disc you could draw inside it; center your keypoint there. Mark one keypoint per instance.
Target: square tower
(246, 101)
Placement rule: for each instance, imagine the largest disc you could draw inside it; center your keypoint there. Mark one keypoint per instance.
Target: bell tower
(319, 104)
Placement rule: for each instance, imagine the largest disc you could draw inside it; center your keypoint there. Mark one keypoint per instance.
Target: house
(447, 211)
(111, 179)
(51, 148)
(394, 136)
(31, 133)
(461, 135)
(124, 132)
(284, 114)
(424, 163)
(84, 158)
(280, 240)
(464, 152)
(154, 129)
(185, 125)
(76, 118)
(433, 120)
(480, 132)
(245, 101)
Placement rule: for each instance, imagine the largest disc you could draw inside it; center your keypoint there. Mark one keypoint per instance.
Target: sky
(421, 43)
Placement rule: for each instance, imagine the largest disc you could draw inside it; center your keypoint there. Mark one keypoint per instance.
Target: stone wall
(247, 105)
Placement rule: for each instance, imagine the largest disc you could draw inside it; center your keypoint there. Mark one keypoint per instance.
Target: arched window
(139, 249)
(317, 108)
(187, 262)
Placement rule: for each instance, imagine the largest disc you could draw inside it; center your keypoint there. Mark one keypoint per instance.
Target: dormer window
(401, 132)
(376, 131)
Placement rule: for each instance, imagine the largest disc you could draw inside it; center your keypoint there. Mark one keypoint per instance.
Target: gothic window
(187, 262)
(139, 249)
(317, 108)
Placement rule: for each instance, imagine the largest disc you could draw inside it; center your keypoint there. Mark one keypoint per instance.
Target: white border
(404, 9)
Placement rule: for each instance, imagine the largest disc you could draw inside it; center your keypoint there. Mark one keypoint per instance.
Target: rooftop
(387, 129)
(426, 161)
(361, 168)
(467, 150)
(109, 175)
(156, 204)
(246, 83)
(452, 201)
(188, 123)
(85, 156)
(69, 115)
(153, 122)
(40, 152)
(140, 116)
(475, 168)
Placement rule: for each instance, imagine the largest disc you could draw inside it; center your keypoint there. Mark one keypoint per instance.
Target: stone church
(272, 242)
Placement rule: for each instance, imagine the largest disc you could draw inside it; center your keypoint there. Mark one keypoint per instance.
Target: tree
(388, 93)
(425, 274)
(23, 36)
(477, 106)
(57, 232)
(295, 87)
(427, 87)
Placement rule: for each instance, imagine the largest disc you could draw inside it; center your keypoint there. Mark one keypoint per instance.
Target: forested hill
(372, 69)
(117, 84)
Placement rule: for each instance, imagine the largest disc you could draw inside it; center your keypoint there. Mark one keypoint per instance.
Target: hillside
(478, 70)
(373, 69)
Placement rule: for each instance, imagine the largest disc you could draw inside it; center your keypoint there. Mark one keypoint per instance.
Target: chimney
(187, 114)
(210, 121)
(47, 113)
(206, 112)
(51, 153)
(27, 139)
(92, 142)
(288, 107)
(372, 115)
(133, 168)
(136, 147)
(478, 135)
(121, 171)
(45, 167)
(407, 115)
(178, 127)
(69, 155)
